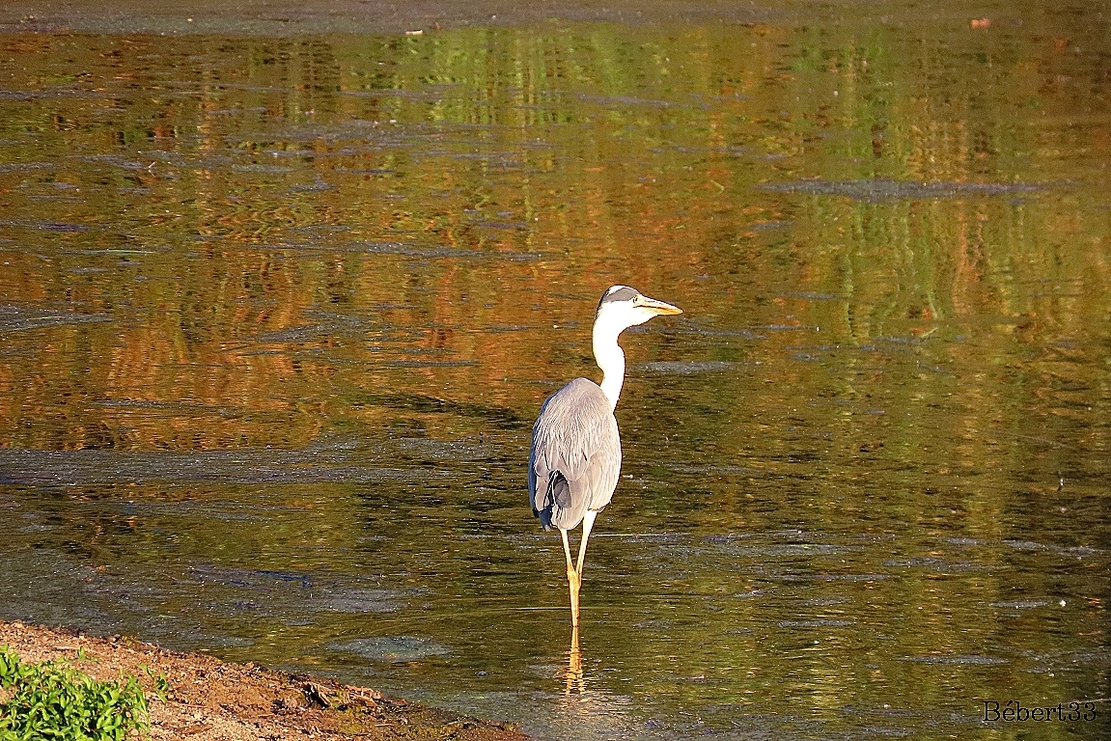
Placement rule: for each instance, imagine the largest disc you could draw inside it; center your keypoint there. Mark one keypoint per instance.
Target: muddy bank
(210, 700)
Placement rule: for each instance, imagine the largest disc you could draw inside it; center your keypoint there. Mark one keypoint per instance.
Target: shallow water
(277, 310)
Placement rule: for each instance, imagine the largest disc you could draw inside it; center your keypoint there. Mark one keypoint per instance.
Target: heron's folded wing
(576, 435)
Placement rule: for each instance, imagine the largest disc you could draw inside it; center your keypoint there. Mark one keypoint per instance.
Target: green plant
(54, 700)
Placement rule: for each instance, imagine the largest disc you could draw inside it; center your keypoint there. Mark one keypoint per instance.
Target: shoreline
(213, 700)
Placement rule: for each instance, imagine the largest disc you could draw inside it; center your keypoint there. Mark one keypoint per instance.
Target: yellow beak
(658, 307)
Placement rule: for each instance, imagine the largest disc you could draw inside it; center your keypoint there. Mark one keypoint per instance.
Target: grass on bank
(54, 700)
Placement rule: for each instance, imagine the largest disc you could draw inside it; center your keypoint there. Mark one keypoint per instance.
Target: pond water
(278, 307)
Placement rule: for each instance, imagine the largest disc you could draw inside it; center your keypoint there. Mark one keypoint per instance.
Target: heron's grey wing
(575, 460)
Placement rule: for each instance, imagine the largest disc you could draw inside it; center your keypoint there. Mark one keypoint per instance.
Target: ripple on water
(1022, 604)
(15, 318)
(392, 649)
(962, 659)
(364, 600)
(885, 189)
(687, 367)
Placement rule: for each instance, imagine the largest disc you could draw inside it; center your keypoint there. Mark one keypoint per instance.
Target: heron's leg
(588, 523)
(567, 551)
(573, 581)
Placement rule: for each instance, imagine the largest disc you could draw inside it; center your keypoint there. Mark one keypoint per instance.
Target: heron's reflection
(586, 709)
(575, 683)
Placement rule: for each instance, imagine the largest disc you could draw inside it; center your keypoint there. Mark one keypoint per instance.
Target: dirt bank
(211, 700)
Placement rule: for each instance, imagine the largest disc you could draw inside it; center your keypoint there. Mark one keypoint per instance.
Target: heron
(575, 460)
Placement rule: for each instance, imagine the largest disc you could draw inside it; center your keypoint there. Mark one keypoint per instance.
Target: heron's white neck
(610, 357)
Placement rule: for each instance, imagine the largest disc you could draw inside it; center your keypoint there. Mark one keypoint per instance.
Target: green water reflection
(276, 315)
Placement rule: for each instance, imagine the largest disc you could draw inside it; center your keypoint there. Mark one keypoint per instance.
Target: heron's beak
(658, 307)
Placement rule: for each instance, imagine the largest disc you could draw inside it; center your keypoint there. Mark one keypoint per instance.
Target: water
(277, 309)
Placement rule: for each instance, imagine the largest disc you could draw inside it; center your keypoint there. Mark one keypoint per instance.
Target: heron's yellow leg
(574, 581)
(588, 523)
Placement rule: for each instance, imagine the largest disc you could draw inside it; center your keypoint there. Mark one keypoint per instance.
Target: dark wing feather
(576, 455)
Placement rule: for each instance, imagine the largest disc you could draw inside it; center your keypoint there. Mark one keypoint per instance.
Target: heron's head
(622, 307)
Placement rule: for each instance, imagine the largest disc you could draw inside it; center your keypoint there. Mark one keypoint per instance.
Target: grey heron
(575, 459)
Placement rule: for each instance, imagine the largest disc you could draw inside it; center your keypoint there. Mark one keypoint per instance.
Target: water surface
(277, 310)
